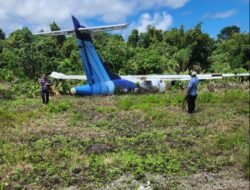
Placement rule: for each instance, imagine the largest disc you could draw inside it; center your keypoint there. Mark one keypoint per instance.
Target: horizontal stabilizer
(103, 28)
(57, 33)
(84, 30)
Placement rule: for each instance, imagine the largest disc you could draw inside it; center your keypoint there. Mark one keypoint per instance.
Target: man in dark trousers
(45, 84)
(192, 92)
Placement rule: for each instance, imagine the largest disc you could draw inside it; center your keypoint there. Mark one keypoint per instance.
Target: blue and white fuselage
(104, 88)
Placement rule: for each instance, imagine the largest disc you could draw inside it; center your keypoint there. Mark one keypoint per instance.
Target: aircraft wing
(181, 77)
(84, 29)
(65, 77)
(153, 77)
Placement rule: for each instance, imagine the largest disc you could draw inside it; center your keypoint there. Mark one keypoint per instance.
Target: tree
(151, 36)
(228, 32)
(9, 61)
(114, 54)
(183, 57)
(2, 45)
(133, 38)
(201, 45)
(175, 37)
(54, 27)
(20, 43)
(144, 40)
(145, 61)
(155, 35)
(18, 38)
(68, 46)
(232, 54)
(2, 35)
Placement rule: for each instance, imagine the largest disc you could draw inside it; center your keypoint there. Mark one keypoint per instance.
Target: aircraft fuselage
(103, 88)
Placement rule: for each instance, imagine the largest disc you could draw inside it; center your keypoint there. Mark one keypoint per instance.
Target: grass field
(126, 141)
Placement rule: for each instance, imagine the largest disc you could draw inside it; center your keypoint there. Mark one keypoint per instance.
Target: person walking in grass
(192, 92)
(45, 88)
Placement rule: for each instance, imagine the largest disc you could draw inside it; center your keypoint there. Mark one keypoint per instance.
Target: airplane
(100, 80)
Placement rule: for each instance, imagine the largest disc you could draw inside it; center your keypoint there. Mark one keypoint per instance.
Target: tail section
(96, 72)
(100, 80)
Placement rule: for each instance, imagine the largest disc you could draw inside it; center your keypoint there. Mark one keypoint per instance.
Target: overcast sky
(163, 14)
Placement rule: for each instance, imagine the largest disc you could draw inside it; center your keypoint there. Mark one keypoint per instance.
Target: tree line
(24, 55)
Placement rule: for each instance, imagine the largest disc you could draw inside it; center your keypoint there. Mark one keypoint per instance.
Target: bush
(29, 89)
(6, 75)
(235, 95)
(60, 107)
(6, 94)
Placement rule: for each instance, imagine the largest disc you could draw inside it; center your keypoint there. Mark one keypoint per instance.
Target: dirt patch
(47, 128)
(228, 180)
(99, 148)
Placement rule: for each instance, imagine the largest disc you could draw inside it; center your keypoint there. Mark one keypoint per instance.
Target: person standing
(45, 85)
(192, 92)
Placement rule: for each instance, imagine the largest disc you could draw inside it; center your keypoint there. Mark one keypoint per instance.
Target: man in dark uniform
(45, 85)
(192, 92)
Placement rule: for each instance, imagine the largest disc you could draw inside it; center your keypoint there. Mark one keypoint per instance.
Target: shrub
(29, 89)
(60, 107)
(6, 75)
(6, 94)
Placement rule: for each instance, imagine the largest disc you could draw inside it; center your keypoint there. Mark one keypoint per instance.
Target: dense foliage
(23, 55)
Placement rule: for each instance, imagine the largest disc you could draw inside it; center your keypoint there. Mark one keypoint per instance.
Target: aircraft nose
(73, 91)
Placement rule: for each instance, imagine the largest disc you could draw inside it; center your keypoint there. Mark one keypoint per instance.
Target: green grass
(47, 147)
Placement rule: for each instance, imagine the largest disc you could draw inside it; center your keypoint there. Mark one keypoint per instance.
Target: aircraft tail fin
(112, 76)
(95, 70)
